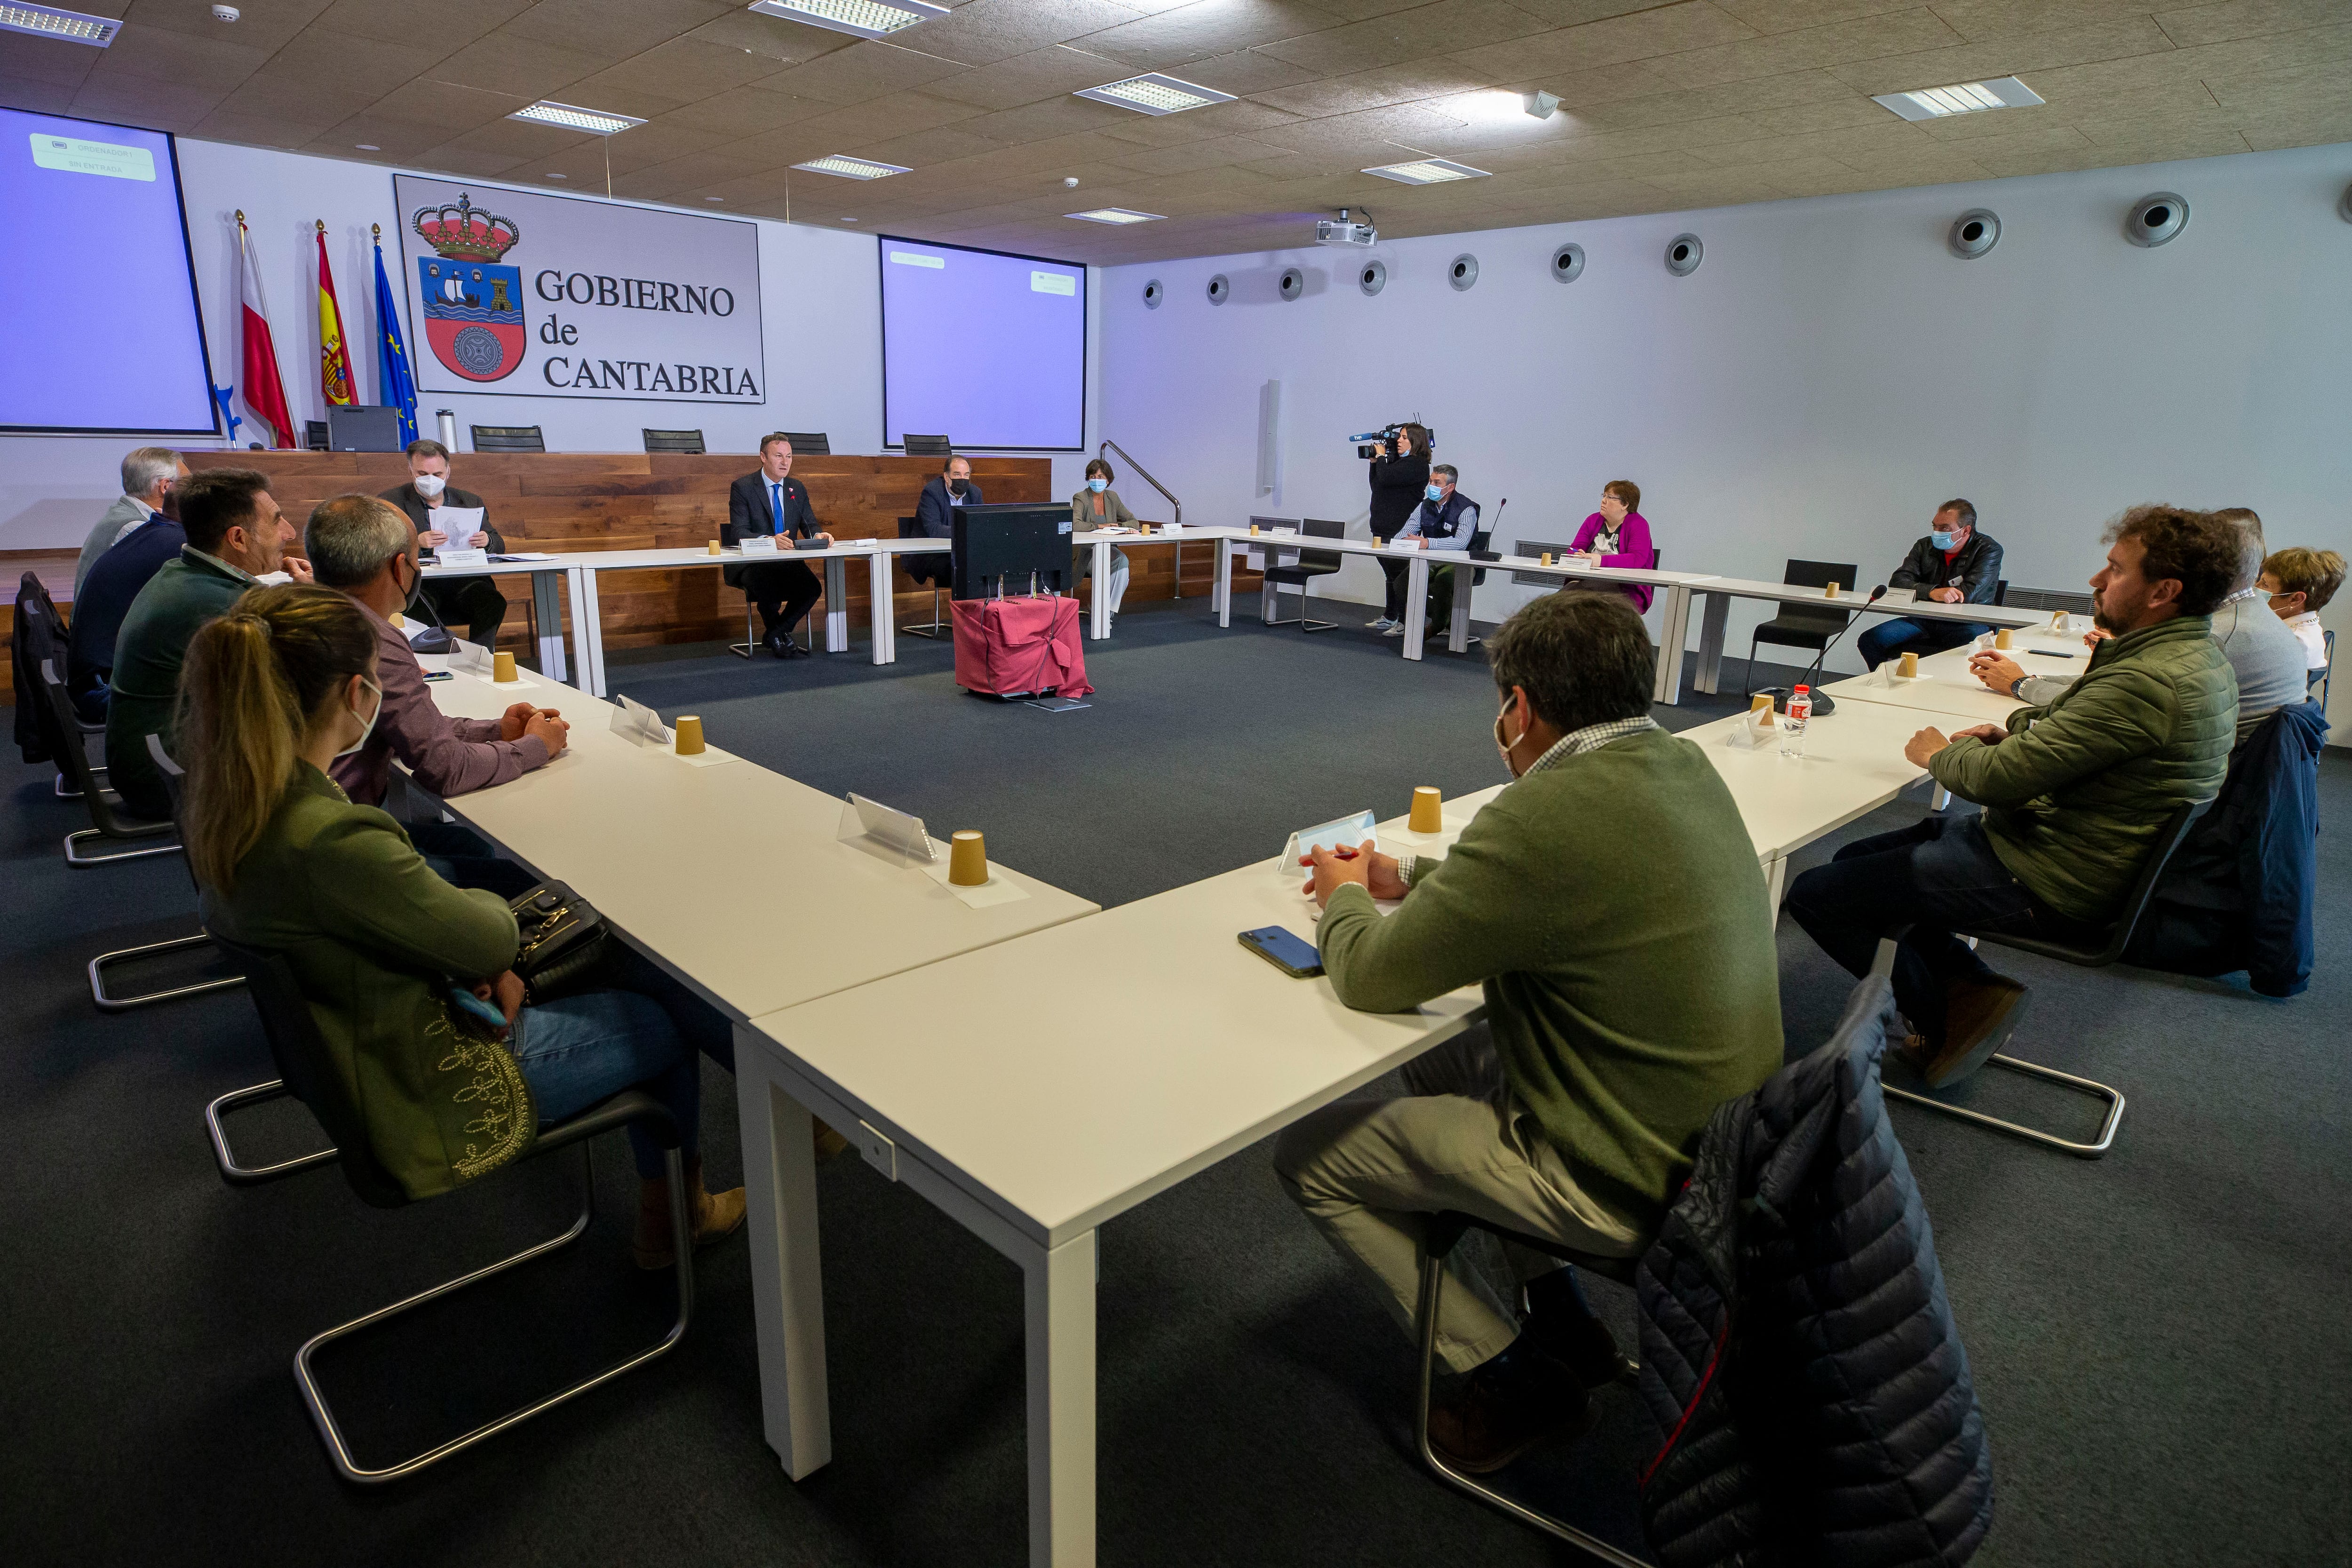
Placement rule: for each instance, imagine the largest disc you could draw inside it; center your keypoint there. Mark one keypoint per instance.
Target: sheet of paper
(459, 522)
(524, 555)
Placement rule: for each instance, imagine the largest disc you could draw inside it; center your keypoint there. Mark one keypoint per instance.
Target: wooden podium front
(569, 502)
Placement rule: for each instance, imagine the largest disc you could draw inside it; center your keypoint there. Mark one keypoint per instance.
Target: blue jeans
(463, 859)
(1898, 635)
(1940, 873)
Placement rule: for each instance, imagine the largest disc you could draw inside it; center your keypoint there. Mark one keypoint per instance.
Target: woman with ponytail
(408, 977)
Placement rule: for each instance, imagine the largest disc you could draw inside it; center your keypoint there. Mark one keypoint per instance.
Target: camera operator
(1400, 477)
(1447, 521)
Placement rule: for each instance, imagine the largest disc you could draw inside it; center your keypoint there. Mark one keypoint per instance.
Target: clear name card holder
(757, 545)
(640, 725)
(469, 658)
(1348, 831)
(884, 833)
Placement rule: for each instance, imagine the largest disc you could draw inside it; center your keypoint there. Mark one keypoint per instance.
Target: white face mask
(1505, 747)
(367, 725)
(430, 485)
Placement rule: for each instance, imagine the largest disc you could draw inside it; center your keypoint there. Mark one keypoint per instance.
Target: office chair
(173, 779)
(1300, 573)
(2001, 593)
(812, 443)
(315, 437)
(925, 446)
(924, 570)
(1533, 549)
(40, 634)
(2110, 949)
(688, 442)
(2315, 682)
(508, 438)
(1480, 550)
(106, 818)
(1804, 626)
(305, 1065)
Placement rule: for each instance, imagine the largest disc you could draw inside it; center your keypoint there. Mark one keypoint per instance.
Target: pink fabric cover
(1019, 645)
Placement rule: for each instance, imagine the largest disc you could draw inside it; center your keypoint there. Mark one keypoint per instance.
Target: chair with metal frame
(508, 438)
(2168, 838)
(687, 443)
(107, 819)
(924, 570)
(38, 632)
(2315, 683)
(925, 446)
(106, 1004)
(1299, 572)
(315, 436)
(809, 443)
(305, 1065)
(1805, 626)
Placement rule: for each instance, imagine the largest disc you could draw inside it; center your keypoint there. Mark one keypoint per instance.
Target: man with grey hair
(365, 548)
(149, 473)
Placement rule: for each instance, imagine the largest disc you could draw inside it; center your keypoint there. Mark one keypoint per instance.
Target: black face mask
(955, 487)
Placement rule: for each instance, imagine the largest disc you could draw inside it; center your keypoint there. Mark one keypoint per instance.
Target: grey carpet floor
(2161, 1340)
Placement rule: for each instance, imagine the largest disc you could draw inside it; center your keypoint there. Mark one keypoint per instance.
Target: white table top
(783, 912)
(1847, 599)
(496, 568)
(1944, 684)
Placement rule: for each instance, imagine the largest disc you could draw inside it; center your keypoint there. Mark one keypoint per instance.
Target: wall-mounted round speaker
(1152, 294)
(1372, 276)
(1292, 283)
(1683, 253)
(1463, 272)
(2157, 219)
(1974, 232)
(1567, 263)
(1219, 286)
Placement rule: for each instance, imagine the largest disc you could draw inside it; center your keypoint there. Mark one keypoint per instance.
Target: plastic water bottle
(1793, 723)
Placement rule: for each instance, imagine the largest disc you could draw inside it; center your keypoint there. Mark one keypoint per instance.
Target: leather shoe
(1979, 1017)
(712, 1216)
(1499, 1415)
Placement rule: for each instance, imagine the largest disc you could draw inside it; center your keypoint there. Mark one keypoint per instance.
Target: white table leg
(1416, 605)
(1222, 590)
(1098, 613)
(836, 604)
(882, 607)
(1457, 628)
(547, 609)
(1061, 1335)
(1670, 646)
(787, 1287)
(1776, 878)
(1710, 643)
(587, 631)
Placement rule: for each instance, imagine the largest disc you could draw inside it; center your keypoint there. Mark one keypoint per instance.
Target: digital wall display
(985, 348)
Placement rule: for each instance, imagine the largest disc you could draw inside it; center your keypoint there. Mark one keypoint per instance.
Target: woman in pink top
(1618, 535)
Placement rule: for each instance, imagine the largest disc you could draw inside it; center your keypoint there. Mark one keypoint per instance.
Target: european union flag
(395, 387)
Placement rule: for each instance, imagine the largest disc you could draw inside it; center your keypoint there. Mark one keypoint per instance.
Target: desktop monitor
(1007, 546)
(363, 429)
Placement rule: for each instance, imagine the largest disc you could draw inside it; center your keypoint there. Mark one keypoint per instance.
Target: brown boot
(712, 1216)
(1501, 1412)
(1979, 1017)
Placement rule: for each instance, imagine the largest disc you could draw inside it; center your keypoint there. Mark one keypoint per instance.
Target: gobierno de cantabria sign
(514, 292)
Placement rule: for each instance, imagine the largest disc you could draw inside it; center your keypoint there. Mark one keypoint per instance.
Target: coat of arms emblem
(473, 306)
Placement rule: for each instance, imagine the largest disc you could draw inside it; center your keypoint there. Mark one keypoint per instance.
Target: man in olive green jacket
(1610, 905)
(2075, 794)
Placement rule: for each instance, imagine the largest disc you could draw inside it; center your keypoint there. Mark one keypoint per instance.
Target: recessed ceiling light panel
(850, 168)
(572, 117)
(49, 22)
(1427, 171)
(1155, 94)
(860, 18)
(1961, 98)
(1115, 215)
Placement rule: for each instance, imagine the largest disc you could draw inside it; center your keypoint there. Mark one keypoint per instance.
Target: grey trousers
(1367, 1171)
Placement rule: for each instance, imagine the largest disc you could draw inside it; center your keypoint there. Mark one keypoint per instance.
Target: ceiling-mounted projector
(1340, 231)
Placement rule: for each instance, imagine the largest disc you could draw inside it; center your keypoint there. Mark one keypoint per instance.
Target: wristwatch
(2015, 684)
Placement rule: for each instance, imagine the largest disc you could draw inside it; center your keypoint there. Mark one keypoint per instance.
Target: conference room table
(1944, 684)
(1720, 590)
(548, 573)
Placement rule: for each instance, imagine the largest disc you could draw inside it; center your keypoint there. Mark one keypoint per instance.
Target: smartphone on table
(1285, 950)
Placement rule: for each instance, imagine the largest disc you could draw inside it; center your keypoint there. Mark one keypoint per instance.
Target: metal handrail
(1139, 467)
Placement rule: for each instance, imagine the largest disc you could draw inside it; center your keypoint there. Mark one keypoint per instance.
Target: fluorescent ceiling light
(1115, 215)
(862, 18)
(1155, 94)
(1962, 98)
(595, 121)
(50, 23)
(1427, 171)
(850, 168)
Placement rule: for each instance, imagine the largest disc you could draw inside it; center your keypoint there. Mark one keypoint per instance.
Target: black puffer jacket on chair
(1797, 1347)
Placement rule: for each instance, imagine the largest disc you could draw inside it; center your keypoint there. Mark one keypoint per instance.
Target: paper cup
(399, 620)
(1910, 666)
(2001, 639)
(689, 731)
(714, 547)
(1253, 531)
(1547, 557)
(968, 858)
(1428, 811)
(502, 667)
(1760, 710)
(1830, 589)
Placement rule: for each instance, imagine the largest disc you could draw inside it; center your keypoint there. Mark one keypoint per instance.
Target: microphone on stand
(1823, 704)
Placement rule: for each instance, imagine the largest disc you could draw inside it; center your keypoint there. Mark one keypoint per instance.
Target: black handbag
(563, 941)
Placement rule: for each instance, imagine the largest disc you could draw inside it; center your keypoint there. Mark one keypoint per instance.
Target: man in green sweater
(2074, 794)
(1610, 905)
(235, 536)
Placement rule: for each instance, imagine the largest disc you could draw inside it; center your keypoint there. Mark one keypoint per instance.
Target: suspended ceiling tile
(2267, 131)
(477, 163)
(1025, 79)
(1448, 26)
(1201, 31)
(979, 32)
(778, 37)
(304, 104)
(941, 144)
(217, 60)
(1981, 21)
(1243, 72)
(1047, 117)
(23, 57)
(444, 105)
(503, 61)
(264, 25)
(1375, 89)
(749, 111)
(893, 114)
(2191, 26)
(38, 97)
(1789, 15)
(157, 105)
(1814, 49)
(616, 28)
(2024, 56)
(367, 65)
(391, 138)
(867, 68)
(521, 139)
(2040, 150)
(1640, 36)
(683, 70)
(1214, 153)
(449, 23)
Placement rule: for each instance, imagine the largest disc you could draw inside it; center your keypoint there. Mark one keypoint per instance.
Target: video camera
(1386, 442)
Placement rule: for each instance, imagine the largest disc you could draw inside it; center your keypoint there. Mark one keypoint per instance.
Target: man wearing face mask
(474, 603)
(944, 491)
(1448, 521)
(1584, 899)
(1954, 565)
(236, 535)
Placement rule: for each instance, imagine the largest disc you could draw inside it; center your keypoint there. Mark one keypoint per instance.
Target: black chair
(315, 436)
(925, 446)
(1480, 550)
(930, 571)
(38, 634)
(508, 438)
(2001, 592)
(2315, 683)
(106, 820)
(1534, 549)
(2109, 950)
(814, 444)
(304, 1066)
(1805, 626)
(172, 781)
(688, 442)
(1300, 573)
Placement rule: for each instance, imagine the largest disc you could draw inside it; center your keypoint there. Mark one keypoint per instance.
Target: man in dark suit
(951, 488)
(105, 598)
(772, 501)
(476, 601)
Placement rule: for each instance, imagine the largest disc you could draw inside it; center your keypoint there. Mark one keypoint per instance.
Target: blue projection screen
(101, 330)
(982, 347)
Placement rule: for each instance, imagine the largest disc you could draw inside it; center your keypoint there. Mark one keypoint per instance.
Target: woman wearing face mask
(1098, 506)
(391, 958)
(1618, 535)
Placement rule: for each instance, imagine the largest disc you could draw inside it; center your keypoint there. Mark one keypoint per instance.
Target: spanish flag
(334, 364)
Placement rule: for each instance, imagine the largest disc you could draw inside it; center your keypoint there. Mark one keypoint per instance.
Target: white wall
(820, 307)
(1829, 375)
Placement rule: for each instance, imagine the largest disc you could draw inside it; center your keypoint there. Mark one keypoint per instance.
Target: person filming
(1399, 477)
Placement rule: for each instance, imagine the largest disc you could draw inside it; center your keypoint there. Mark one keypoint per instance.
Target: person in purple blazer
(1619, 535)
